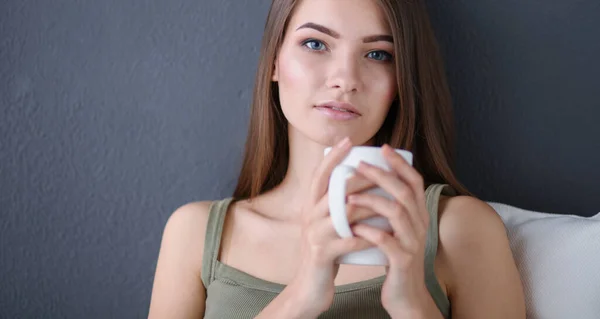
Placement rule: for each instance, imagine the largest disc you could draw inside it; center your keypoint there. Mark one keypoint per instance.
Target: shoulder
(475, 253)
(186, 227)
(188, 217)
(468, 229)
(465, 220)
(179, 263)
(184, 232)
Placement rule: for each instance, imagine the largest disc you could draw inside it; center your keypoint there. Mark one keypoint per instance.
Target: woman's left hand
(404, 293)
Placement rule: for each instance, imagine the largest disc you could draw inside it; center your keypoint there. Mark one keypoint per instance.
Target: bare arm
(178, 291)
(483, 280)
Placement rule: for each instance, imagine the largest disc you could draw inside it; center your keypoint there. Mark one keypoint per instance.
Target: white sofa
(558, 257)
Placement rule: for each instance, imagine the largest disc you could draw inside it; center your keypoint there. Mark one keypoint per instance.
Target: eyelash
(388, 56)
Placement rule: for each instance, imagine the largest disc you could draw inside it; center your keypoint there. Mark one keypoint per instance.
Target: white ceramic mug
(337, 200)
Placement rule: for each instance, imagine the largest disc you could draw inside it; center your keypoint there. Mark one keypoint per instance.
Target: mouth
(339, 107)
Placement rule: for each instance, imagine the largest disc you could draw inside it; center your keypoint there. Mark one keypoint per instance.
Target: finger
(397, 216)
(320, 210)
(388, 244)
(343, 246)
(327, 246)
(323, 171)
(400, 191)
(355, 184)
(322, 234)
(356, 213)
(321, 231)
(405, 171)
(358, 183)
(353, 213)
(324, 224)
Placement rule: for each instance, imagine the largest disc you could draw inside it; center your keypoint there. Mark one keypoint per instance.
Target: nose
(344, 74)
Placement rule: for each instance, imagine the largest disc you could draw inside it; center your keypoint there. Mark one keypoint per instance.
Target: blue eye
(315, 45)
(379, 56)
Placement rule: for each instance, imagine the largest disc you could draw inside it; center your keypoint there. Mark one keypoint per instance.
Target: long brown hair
(420, 118)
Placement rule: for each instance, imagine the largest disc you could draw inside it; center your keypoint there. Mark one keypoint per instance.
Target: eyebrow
(331, 33)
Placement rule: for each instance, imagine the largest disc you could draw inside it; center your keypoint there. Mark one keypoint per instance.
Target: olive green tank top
(232, 293)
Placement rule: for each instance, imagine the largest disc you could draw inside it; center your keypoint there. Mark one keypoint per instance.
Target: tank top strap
(212, 241)
(432, 198)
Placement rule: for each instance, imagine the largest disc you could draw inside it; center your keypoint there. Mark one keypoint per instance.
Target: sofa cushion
(558, 257)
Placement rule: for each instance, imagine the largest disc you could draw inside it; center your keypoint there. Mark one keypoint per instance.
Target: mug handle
(337, 199)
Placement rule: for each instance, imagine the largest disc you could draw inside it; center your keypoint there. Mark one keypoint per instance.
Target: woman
(343, 73)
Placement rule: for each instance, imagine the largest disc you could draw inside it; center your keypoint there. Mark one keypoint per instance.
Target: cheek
(384, 87)
(389, 86)
(295, 72)
(298, 81)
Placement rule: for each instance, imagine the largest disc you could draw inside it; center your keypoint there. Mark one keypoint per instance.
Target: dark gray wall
(114, 113)
(526, 82)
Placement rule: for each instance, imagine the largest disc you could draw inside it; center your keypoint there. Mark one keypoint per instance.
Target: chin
(330, 136)
(326, 132)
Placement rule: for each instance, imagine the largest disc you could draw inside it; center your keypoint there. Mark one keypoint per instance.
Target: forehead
(350, 18)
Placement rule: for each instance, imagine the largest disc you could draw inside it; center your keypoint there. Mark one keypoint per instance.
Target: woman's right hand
(313, 285)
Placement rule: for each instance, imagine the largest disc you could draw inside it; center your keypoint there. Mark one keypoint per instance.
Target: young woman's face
(335, 70)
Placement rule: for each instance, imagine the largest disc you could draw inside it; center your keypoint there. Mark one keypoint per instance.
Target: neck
(305, 156)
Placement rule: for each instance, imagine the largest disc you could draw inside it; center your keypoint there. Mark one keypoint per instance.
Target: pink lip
(338, 105)
(336, 114)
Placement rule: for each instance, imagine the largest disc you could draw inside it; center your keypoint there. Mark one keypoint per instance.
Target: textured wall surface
(525, 76)
(114, 113)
